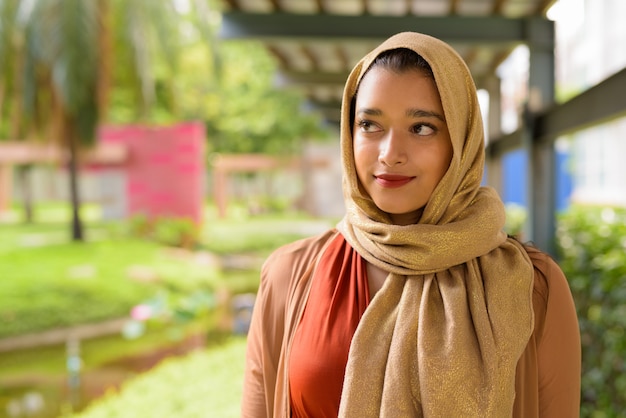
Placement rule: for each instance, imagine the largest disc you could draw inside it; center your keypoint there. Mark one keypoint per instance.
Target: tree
(68, 65)
(253, 115)
(63, 70)
(244, 111)
(11, 85)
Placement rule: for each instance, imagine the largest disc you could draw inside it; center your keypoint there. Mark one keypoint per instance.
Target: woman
(417, 304)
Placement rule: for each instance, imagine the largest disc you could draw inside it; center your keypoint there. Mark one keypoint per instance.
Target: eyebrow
(414, 113)
(419, 113)
(369, 111)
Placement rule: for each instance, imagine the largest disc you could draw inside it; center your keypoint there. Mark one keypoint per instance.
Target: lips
(392, 180)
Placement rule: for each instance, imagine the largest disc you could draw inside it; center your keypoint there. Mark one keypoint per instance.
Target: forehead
(389, 86)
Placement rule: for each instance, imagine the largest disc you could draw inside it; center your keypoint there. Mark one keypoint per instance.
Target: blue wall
(514, 183)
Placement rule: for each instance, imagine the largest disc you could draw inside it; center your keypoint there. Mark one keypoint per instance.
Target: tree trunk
(27, 195)
(77, 224)
(105, 57)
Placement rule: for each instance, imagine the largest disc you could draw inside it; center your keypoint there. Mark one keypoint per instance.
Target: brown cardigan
(548, 373)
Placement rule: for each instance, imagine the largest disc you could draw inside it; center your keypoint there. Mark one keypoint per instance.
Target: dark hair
(398, 60)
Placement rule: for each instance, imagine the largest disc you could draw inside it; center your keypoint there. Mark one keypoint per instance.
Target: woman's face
(401, 142)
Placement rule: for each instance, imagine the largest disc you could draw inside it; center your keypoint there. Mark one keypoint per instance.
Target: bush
(69, 284)
(203, 384)
(592, 245)
(171, 231)
(516, 216)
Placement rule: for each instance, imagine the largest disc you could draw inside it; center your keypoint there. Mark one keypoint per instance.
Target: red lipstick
(392, 181)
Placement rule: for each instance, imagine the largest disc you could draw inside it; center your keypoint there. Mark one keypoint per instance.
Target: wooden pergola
(317, 42)
(14, 153)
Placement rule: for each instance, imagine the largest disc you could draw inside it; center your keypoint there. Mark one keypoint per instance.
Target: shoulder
(556, 339)
(547, 271)
(542, 261)
(293, 259)
(550, 286)
(284, 272)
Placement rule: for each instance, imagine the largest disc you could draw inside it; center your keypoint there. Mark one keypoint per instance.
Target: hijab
(443, 335)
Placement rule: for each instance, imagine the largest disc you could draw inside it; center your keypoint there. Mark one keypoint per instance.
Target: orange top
(548, 373)
(338, 298)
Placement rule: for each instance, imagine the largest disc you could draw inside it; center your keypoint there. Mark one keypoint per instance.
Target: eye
(367, 126)
(423, 129)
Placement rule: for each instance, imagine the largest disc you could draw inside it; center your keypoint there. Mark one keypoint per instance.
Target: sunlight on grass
(48, 281)
(50, 226)
(241, 232)
(206, 383)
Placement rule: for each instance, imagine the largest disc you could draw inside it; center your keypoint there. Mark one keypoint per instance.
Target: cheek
(362, 158)
(361, 153)
(445, 157)
(366, 145)
(359, 163)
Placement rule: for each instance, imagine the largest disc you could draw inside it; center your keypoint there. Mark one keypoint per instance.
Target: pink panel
(165, 170)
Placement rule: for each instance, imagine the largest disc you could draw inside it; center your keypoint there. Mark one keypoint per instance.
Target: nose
(392, 150)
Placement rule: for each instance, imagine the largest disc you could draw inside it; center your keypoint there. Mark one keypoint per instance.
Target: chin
(400, 215)
(394, 208)
(404, 218)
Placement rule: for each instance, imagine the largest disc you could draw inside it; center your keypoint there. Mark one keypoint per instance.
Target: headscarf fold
(444, 334)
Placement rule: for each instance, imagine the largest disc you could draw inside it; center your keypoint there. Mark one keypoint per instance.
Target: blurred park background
(148, 166)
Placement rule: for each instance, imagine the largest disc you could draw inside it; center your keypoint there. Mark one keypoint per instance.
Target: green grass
(72, 283)
(49, 281)
(241, 232)
(94, 353)
(206, 383)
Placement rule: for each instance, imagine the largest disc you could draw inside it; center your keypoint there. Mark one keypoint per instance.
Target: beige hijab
(443, 336)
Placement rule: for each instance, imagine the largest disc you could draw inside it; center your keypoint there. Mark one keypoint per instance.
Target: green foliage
(47, 282)
(172, 231)
(71, 284)
(230, 86)
(592, 243)
(186, 293)
(69, 30)
(249, 113)
(241, 232)
(48, 287)
(146, 48)
(9, 62)
(203, 384)
(515, 218)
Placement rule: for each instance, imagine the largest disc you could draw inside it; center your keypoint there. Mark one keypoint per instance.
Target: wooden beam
(283, 61)
(342, 56)
(453, 29)
(497, 7)
(408, 7)
(315, 77)
(233, 4)
(308, 53)
(601, 103)
(275, 5)
(320, 6)
(498, 59)
(505, 143)
(454, 7)
(470, 57)
(365, 7)
(331, 111)
(28, 153)
(6, 187)
(544, 6)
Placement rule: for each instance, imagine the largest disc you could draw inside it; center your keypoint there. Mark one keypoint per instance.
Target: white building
(591, 46)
